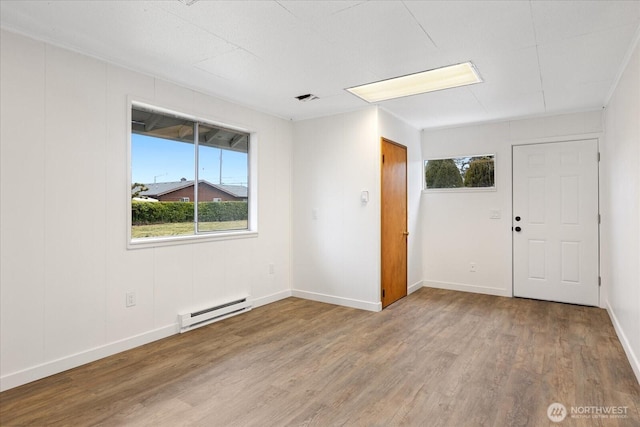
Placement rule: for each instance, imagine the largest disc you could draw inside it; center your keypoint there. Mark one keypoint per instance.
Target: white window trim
(252, 223)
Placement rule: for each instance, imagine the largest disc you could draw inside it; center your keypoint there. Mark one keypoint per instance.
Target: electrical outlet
(130, 299)
(472, 267)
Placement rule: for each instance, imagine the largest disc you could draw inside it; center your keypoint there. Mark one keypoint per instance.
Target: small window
(466, 172)
(178, 164)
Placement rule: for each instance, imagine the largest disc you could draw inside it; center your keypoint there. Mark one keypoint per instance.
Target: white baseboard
(411, 289)
(37, 372)
(468, 288)
(633, 358)
(330, 299)
(271, 298)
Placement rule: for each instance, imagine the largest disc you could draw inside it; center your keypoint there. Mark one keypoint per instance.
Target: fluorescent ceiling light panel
(413, 84)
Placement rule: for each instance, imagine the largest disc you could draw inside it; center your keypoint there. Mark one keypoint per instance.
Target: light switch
(364, 196)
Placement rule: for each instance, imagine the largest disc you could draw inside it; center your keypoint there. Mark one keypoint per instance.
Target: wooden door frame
(384, 140)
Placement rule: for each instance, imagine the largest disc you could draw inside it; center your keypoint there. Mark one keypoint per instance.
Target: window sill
(155, 242)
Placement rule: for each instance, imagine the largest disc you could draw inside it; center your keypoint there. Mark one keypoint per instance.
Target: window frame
(252, 189)
(460, 189)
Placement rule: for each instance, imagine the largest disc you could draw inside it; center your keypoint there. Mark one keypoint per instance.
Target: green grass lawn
(183, 228)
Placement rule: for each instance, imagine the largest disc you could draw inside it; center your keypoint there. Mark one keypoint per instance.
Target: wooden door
(394, 222)
(555, 222)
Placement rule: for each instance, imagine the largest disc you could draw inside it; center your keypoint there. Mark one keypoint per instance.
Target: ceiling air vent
(307, 97)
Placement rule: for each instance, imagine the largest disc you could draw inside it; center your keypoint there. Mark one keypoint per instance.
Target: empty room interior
(282, 212)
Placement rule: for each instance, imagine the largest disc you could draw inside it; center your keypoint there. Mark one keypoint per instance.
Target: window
(468, 172)
(181, 170)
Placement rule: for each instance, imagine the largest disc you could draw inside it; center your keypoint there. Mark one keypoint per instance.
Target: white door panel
(555, 208)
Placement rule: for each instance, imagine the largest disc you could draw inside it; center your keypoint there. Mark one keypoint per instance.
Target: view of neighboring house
(182, 191)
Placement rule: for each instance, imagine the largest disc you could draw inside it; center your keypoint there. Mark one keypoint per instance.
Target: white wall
(457, 229)
(620, 204)
(336, 238)
(65, 267)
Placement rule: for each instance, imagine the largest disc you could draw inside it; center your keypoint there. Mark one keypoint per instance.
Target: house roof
(234, 190)
(162, 188)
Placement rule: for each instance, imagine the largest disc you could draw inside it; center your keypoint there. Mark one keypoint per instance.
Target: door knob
(517, 218)
(518, 229)
(406, 233)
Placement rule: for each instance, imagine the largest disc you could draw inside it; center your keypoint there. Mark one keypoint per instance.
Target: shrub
(481, 173)
(161, 212)
(442, 174)
(222, 211)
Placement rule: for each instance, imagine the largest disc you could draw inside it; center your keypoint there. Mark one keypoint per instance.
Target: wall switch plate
(495, 214)
(130, 299)
(472, 267)
(272, 269)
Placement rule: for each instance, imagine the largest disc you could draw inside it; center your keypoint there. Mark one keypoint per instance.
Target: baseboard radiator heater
(196, 319)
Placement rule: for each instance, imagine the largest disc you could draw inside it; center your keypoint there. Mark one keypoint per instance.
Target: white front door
(555, 222)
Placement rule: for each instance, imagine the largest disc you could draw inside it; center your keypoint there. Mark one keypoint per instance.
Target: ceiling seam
(348, 7)
(420, 25)
(535, 38)
(206, 30)
(477, 100)
(285, 8)
(544, 99)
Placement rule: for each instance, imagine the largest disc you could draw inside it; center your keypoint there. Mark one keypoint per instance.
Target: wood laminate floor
(435, 358)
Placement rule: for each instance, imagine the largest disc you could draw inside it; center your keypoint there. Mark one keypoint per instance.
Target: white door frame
(572, 138)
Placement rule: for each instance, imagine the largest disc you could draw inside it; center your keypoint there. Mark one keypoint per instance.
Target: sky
(163, 160)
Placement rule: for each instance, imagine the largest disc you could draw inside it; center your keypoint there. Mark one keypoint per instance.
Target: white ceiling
(536, 57)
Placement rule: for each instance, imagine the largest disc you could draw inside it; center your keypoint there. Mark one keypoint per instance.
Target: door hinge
(383, 158)
(598, 156)
(599, 281)
(383, 293)
(599, 219)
